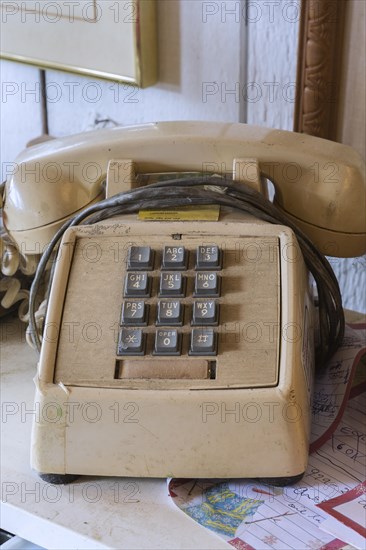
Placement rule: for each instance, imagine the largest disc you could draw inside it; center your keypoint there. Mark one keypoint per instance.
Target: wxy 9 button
(205, 312)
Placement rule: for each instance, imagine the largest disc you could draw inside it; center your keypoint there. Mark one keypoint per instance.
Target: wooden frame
(319, 67)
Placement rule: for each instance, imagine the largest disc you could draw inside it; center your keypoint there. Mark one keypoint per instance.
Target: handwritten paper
(251, 515)
(333, 386)
(350, 510)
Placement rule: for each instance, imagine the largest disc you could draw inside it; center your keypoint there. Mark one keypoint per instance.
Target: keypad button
(169, 312)
(203, 342)
(167, 342)
(140, 258)
(208, 257)
(131, 341)
(174, 257)
(137, 285)
(207, 284)
(134, 312)
(205, 312)
(171, 284)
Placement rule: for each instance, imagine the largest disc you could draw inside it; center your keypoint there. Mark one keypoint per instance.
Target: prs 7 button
(137, 285)
(131, 341)
(171, 284)
(167, 342)
(134, 312)
(140, 258)
(174, 257)
(205, 312)
(203, 342)
(169, 313)
(208, 257)
(207, 284)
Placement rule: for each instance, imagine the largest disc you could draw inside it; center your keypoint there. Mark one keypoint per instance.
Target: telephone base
(66, 479)
(237, 408)
(281, 481)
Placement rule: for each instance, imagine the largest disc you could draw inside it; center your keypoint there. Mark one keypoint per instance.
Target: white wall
(197, 52)
(273, 28)
(21, 114)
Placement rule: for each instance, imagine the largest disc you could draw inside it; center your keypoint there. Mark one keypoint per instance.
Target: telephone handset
(185, 337)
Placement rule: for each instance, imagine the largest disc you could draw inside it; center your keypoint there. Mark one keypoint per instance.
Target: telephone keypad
(203, 342)
(208, 257)
(134, 313)
(205, 312)
(169, 312)
(174, 257)
(137, 285)
(140, 258)
(167, 342)
(176, 294)
(207, 283)
(171, 284)
(131, 341)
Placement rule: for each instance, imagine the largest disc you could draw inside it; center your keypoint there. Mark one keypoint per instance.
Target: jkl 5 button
(171, 284)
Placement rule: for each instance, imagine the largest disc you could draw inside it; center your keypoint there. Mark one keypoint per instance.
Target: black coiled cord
(205, 190)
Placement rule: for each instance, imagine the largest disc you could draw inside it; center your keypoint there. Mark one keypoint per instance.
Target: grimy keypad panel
(169, 312)
(162, 300)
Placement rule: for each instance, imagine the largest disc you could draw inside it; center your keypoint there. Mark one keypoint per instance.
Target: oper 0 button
(140, 257)
(131, 341)
(203, 342)
(137, 285)
(170, 312)
(167, 342)
(134, 312)
(171, 284)
(208, 257)
(174, 257)
(205, 312)
(207, 284)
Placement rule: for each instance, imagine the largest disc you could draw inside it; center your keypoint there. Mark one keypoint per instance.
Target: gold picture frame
(114, 40)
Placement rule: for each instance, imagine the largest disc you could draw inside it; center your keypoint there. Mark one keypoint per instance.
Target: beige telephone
(179, 336)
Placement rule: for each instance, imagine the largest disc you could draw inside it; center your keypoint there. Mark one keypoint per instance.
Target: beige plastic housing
(320, 184)
(251, 419)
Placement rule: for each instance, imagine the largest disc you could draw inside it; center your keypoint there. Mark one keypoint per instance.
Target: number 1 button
(140, 257)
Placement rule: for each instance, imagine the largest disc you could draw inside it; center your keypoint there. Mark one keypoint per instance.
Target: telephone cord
(224, 192)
